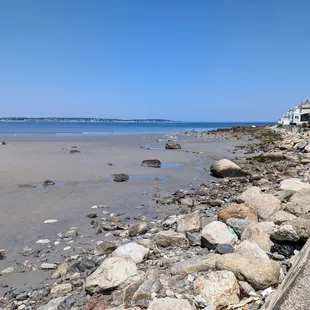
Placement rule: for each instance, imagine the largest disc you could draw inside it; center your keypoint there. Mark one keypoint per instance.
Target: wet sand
(85, 180)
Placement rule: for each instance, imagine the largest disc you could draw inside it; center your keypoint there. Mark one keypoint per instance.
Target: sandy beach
(83, 180)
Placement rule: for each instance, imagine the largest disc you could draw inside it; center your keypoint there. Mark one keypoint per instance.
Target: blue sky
(195, 60)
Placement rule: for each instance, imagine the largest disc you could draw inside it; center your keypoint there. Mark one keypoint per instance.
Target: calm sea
(108, 128)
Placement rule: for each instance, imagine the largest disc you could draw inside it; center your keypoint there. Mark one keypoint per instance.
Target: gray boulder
(226, 168)
(121, 177)
(153, 163)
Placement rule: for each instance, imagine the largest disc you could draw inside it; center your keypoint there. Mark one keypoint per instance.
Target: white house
(297, 116)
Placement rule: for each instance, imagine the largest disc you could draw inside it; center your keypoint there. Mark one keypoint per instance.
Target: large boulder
(195, 265)
(219, 288)
(153, 163)
(114, 272)
(136, 251)
(257, 234)
(239, 211)
(170, 304)
(226, 168)
(299, 203)
(172, 146)
(189, 222)
(265, 204)
(293, 184)
(260, 273)
(217, 233)
(169, 238)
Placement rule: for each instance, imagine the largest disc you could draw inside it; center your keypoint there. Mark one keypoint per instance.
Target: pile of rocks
(225, 245)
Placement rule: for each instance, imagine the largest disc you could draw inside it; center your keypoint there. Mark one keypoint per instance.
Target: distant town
(80, 119)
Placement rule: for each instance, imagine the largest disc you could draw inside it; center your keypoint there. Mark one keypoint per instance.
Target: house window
(296, 117)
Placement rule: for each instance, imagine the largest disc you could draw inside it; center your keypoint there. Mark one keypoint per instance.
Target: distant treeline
(78, 119)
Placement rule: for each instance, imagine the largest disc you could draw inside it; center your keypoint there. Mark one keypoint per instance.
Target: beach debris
(50, 221)
(172, 146)
(153, 163)
(74, 151)
(3, 143)
(109, 164)
(48, 183)
(121, 177)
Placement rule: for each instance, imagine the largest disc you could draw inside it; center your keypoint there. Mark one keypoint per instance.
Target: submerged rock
(153, 163)
(121, 177)
(226, 168)
(172, 146)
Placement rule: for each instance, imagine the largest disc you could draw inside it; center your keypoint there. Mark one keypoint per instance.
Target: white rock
(113, 273)
(43, 241)
(61, 289)
(7, 270)
(67, 248)
(48, 266)
(50, 221)
(136, 251)
(250, 249)
(293, 184)
(218, 287)
(218, 233)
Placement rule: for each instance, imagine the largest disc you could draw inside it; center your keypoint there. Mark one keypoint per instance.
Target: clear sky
(199, 60)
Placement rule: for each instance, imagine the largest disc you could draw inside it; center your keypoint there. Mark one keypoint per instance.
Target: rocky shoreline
(227, 244)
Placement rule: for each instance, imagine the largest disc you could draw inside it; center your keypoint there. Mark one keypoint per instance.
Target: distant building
(298, 115)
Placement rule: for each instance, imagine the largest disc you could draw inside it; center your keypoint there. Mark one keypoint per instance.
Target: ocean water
(108, 128)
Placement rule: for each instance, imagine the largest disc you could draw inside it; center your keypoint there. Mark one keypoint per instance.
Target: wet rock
(250, 249)
(224, 248)
(22, 296)
(105, 247)
(265, 204)
(170, 304)
(281, 216)
(153, 163)
(48, 183)
(195, 265)
(284, 233)
(226, 168)
(260, 273)
(53, 304)
(113, 272)
(255, 233)
(137, 252)
(172, 146)
(301, 226)
(7, 270)
(293, 184)
(238, 225)
(219, 288)
(189, 222)
(169, 238)
(217, 233)
(92, 215)
(74, 152)
(48, 266)
(239, 211)
(299, 203)
(121, 177)
(137, 229)
(61, 289)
